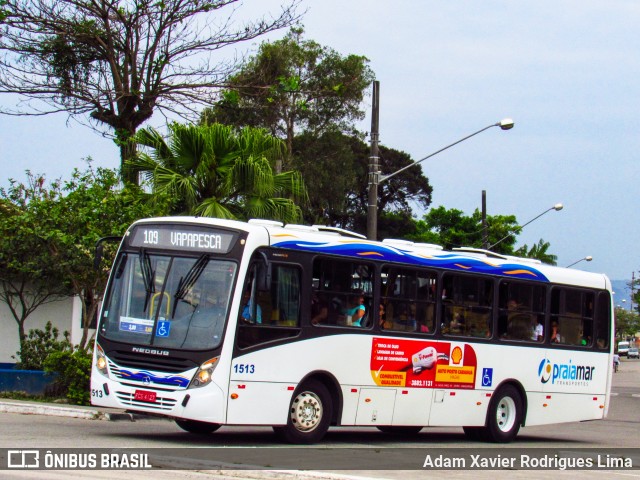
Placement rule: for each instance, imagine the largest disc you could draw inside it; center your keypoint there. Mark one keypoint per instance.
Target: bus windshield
(168, 301)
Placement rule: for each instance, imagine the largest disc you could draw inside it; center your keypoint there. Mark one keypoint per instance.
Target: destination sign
(182, 237)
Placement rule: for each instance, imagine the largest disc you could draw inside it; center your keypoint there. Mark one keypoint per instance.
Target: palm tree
(538, 251)
(218, 171)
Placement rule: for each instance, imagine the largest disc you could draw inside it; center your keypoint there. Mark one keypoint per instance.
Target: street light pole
(372, 232)
(588, 258)
(556, 207)
(505, 124)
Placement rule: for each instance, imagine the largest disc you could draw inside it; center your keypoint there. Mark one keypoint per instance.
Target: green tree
(118, 62)
(330, 170)
(294, 85)
(217, 171)
(335, 166)
(627, 323)
(28, 274)
(48, 234)
(92, 204)
(635, 292)
(452, 228)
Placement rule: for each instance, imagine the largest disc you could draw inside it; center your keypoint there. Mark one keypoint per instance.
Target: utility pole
(485, 237)
(374, 169)
(633, 283)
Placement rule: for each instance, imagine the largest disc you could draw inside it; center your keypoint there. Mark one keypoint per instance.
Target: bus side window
(467, 305)
(572, 312)
(603, 320)
(522, 311)
(408, 298)
(341, 289)
(274, 310)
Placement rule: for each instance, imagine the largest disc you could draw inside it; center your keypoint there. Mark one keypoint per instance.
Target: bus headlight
(101, 361)
(203, 375)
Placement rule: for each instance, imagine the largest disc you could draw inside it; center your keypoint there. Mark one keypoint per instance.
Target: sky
(565, 71)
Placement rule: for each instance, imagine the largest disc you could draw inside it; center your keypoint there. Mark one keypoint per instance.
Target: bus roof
(337, 241)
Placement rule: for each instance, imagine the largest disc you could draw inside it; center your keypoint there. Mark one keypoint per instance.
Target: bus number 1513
(244, 368)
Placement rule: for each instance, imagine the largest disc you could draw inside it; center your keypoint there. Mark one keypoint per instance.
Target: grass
(17, 395)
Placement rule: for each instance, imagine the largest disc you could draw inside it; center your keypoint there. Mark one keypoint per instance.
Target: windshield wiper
(147, 276)
(186, 283)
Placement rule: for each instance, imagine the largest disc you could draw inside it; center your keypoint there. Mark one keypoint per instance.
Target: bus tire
(400, 430)
(309, 415)
(504, 415)
(194, 426)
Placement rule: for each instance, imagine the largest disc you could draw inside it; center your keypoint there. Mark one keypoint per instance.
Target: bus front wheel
(504, 415)
(193, 426)
(309, 414)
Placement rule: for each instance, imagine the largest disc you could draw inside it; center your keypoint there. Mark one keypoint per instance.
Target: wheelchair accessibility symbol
(487, 377)
(163, 328)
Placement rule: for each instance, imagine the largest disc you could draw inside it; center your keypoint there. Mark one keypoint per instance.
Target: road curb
(45, 409)
(74, 411)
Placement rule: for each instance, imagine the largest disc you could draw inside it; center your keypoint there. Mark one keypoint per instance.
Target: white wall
(65, 314)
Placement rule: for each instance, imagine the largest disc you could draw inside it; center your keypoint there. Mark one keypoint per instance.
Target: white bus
(214, 322)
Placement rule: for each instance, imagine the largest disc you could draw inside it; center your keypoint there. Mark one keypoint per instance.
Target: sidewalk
(64, 410)
(628, 375)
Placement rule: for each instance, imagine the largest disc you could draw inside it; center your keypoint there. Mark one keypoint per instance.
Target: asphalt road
(341, 448)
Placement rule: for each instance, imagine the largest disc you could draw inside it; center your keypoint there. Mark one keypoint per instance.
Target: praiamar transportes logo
(565, 373)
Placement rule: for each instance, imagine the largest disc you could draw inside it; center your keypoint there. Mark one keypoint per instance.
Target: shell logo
(456, 355)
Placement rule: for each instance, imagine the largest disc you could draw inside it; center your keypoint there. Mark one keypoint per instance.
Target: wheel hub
(506, 414)
(306, 412)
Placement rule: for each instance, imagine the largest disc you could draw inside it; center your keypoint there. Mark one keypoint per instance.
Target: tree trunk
(127, 152)
(89, 309)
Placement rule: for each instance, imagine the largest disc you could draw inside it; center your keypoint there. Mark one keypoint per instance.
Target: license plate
(144, 396)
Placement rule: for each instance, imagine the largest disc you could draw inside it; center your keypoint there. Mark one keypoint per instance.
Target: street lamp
(557, 207)
(588, 258)
(375, 178)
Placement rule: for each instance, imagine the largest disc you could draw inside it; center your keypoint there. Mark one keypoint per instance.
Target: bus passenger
(538, 331)
(381, 315)
(457, 325)
(555, 334)
(407, 319)
(355, 310)
(319, 310)
(247, 309)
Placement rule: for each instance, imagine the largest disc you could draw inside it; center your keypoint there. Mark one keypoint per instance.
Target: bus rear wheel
(201, 428)
(309, 416)
(504, 416)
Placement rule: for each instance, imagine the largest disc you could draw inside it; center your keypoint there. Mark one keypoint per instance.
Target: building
(65, 314)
